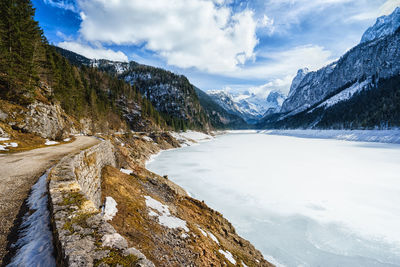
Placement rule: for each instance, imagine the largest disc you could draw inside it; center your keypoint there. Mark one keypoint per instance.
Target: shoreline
(369, 136)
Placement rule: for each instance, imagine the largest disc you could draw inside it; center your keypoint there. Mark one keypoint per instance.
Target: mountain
(249, 106)
(368, 72)
(217, 115)
(171, 94)
(384, 26)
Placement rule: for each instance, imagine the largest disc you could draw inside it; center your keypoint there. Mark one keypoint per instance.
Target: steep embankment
(19, 171)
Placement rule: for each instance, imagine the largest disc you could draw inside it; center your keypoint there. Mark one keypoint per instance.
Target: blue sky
(254, 45)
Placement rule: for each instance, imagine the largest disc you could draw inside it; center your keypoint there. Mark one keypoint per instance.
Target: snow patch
(4, 138)
(109, 209)
(164, 216)
(184, 236)
(35, 242)
(67, 139)
(213, 237)
(148, 139)
(228, 256)
(50, 143)
(203, 232)
(4, 146)
(344, 95)
(129, 172)
(189, 138)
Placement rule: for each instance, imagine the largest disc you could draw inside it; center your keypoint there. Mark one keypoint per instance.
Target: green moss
(73, 198)
(68, 226)
(115, 258)
(79, 219)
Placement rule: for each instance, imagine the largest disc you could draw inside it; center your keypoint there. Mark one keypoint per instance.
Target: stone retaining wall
(81, 235)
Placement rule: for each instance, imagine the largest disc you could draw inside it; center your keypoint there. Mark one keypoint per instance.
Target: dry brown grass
(164, 246)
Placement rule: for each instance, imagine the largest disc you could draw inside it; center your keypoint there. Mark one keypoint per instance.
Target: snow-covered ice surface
(380, 136)
(35, 240)
(301, 201)
(157, 209)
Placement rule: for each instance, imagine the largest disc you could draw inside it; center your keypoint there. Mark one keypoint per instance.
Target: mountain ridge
(248, 106)
(367, 67)
(170, 93)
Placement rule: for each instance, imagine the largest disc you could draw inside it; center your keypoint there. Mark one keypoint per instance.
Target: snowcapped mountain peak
(248, 105)
(384, 26)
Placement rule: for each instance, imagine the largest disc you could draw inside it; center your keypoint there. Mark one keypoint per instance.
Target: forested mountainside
(172, 95)
(218, 116)
(361, 90)
(35, 80)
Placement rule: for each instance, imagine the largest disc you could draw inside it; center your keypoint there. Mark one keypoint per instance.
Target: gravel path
(19, 171)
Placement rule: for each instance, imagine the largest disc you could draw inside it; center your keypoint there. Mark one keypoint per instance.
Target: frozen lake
(300, 201)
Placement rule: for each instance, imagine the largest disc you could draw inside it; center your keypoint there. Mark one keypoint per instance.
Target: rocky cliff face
(384, 26)
(377, 59)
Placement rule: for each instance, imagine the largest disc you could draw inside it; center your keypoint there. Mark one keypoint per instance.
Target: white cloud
(67, 5)
(93, 53)
(388, 7)
(385, 9)
(280, 84)
(186, 33)
(267, 23)
(280, 64)
(281, 67)
(287, 13)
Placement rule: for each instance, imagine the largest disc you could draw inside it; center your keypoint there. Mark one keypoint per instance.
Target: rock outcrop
(47, 121)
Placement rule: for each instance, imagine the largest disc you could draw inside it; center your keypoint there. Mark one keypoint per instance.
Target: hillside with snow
(358, 91)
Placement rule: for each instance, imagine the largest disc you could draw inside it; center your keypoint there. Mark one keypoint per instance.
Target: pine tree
(21, 39)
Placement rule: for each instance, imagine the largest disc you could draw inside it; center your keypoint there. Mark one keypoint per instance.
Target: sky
(239, 46)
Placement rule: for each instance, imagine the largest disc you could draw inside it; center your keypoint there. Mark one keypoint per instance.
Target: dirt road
(19, 171)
